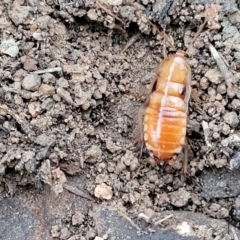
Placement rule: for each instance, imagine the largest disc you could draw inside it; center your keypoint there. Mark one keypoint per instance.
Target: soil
(74, 74)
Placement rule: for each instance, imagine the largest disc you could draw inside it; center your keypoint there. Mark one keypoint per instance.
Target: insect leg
(185, 160)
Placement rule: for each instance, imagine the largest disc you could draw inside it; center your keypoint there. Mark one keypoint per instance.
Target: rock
(55, 231)
(47, 104)
(111, 146)
(9, 47)
(229, 32)
(235, 104)
(19, 75)
(19, 14)
(63, 83)
(42, 123)
(30, 64)
(31, 82)
(233, 140)
(34, 108)
(59, 179)
(214, 76)
(231, 118)
(48, 78)
(9, 159)
(103, 86)
(78, 90)
(234, 18)
(93, 154)
(77, 218)
(130, 160)
(65, 95)
(41, 153)
(45, 140)
(47, 89)
(65, 234)
(92, 14)
(103, 191)
(221, 88)
(4, 132)
(81, 97)
(45, 173)
(235, 161)
(214, 207)
(26, 156)
(223, 213)
(179, 198)
(31, 165)
(97, 94)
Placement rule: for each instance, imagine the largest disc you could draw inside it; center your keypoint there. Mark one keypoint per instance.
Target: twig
(108, 10)
(228, 76)
(48, 70)
(76, 191)
(132, 40)
(206, 133)
(163, 219)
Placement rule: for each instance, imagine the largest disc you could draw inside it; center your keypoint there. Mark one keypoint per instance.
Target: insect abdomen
(165, 126)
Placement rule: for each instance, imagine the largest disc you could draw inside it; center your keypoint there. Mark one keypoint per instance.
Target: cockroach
(165, 113)
(165, 117)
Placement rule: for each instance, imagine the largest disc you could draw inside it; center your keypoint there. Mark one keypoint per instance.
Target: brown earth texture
(73, 76)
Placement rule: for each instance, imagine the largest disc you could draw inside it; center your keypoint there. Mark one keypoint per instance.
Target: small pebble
(231, 118)
(34, 108)
(214, 76)
(179, 198)
(103, 191)
(31, 82)
(77, 218)
(47, 89)
(221, 89)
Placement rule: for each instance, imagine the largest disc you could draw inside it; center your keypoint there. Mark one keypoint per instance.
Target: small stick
(206, 133)
(76, 191)
(164, 219)
(132, 40)
(48, 70)
(228, 76)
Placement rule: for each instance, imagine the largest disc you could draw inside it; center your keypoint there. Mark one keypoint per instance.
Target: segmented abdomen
(165, 120)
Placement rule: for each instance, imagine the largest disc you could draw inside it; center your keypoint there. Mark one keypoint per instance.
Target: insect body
(166, 110)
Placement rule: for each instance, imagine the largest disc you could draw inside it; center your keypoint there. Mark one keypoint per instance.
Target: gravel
(69, 100)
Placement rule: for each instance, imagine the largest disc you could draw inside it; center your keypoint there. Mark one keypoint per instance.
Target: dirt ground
(74, 74)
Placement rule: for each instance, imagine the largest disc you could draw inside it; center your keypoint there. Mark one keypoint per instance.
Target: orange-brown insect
(165, 117)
